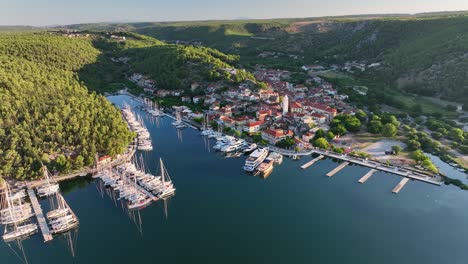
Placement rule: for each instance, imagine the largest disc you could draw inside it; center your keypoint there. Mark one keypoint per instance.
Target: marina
(207, 174)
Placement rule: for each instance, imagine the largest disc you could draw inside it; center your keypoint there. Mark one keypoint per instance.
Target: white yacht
(255, 159)
(234, 146)
(250, 148)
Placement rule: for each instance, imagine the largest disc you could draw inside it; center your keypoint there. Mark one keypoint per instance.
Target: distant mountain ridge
(422, 53)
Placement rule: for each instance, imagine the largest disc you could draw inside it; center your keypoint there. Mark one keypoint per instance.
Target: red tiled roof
(255, 123)
(275, 133)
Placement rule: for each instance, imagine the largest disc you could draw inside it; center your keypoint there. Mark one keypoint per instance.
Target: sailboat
(61, 219)
(178, 122)
(49, 188)
(16, 229)
(156, 111)
(167, 187)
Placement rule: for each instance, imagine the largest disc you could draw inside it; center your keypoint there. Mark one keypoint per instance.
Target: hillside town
(277, 111)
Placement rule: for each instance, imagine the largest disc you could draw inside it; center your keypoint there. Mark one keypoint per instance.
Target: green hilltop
(422, 53)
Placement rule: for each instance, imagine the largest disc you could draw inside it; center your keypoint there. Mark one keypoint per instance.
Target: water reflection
(17, 248)
(70, 238)
(179, 135)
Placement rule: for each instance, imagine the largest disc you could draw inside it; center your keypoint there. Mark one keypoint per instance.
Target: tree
(330, 135)
(418, 155)
(396, 149)
(361, 115)
(413, 145)
(375, 127)
(437, 135)
(320, 134)
(321, 143)
(389, 130)
(456, 134)
(352, 124)
(338, 130)
(286, 143)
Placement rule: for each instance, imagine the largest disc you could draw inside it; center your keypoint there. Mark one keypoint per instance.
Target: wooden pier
(400, 185)
(40, 216)
(406, 172)
(367, 176)
(337, 169)
(312, 162)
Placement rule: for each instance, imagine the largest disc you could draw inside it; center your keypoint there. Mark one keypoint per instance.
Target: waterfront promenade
(404, 172)
(115, 162)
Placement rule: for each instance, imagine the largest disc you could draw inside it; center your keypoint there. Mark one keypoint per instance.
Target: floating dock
(367, 176)
(312, 162)
(40, 216)
(337, 169)
(400, 185)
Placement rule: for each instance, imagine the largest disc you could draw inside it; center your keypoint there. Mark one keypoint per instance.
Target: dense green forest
(46, 114)
(422, 53)
(171, 66)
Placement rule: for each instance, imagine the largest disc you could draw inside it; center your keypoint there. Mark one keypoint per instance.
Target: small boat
(250, 148)
(266, 166)
(278, 158)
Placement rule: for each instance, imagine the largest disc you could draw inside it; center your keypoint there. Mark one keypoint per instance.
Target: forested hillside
(46, 114)
(423, 53)
(172, 66)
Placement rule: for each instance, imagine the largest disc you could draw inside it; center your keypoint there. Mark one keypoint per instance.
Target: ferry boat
(255, 159)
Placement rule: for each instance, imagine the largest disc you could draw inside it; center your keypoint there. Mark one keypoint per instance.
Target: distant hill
(422, 53)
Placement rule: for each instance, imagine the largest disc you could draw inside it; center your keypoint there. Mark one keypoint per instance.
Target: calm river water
(222, 215)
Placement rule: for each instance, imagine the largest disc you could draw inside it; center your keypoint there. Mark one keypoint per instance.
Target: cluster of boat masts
(138, 187)
(152, 108)
(16, 212)
(260, 159)
(137, 125)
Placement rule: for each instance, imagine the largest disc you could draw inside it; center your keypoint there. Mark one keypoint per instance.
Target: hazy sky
(50, 12)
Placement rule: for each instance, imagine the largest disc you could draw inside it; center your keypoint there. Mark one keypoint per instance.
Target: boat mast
(162, 170)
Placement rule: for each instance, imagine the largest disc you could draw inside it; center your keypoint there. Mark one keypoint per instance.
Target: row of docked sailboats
(15, 214)
(152, 107)
(61, 218)
(137, 125)
(49, 188)
(178, 123)
(137, 186)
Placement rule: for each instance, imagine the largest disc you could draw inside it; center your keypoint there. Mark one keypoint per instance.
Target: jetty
(183, 120)
(40, 216)
(337, 169)
(400, 185)
(367, 176)
(406, 172)
(312, 162)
